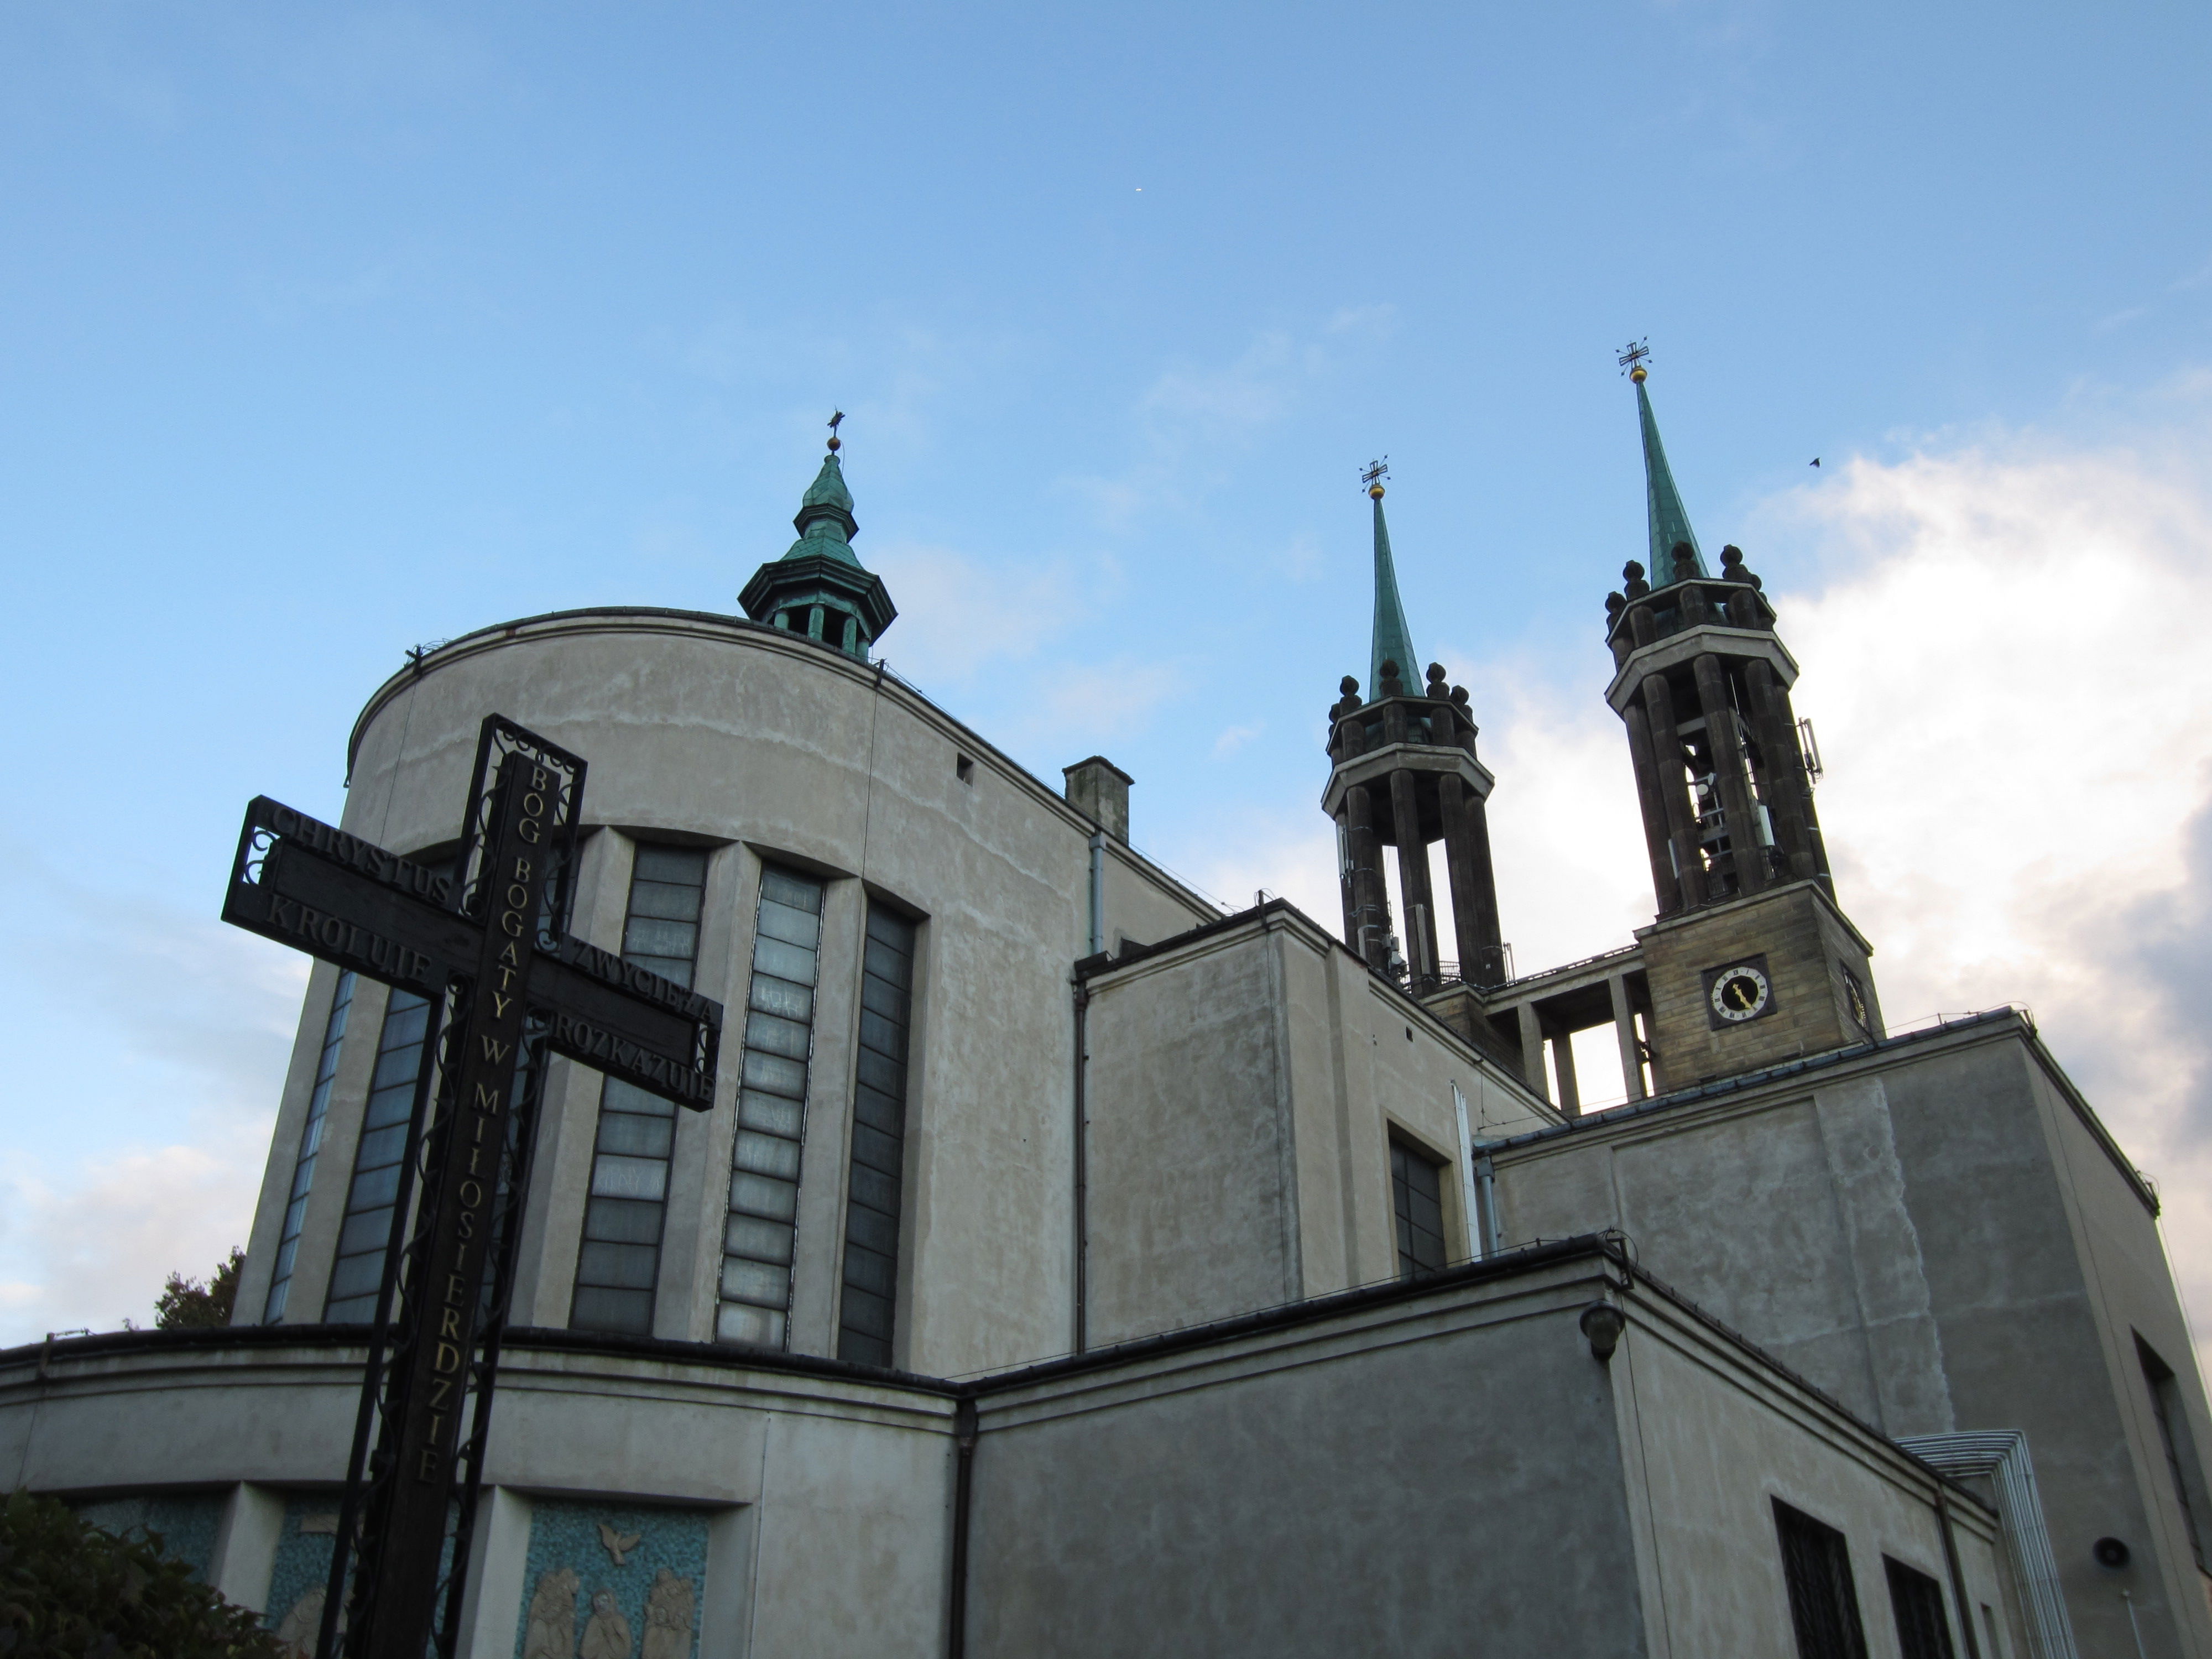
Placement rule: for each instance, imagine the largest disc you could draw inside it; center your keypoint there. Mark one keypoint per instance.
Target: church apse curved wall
(752, 753)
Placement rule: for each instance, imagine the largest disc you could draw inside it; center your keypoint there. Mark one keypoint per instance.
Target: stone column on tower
(1750, 962)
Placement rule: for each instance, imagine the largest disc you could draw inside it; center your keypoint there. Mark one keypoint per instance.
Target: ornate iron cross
(487, 945)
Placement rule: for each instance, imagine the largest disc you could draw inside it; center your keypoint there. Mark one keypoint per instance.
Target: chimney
(1100, 791)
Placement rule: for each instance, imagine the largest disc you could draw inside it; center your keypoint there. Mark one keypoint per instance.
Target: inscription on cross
(488, 944)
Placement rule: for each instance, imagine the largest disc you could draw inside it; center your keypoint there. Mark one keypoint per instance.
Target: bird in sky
(1816, 460)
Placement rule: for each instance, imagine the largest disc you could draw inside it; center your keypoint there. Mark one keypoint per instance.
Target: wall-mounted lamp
(2111, 1552)
(1603, 1323)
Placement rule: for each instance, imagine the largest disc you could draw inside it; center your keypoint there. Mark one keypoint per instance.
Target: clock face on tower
(1739, 992)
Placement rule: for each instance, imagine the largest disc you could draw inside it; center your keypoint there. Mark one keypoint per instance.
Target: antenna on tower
(1632, 356)
(1373, 477)
(836, 420)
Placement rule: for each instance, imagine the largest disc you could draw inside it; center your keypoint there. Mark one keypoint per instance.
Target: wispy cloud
(1234, 738)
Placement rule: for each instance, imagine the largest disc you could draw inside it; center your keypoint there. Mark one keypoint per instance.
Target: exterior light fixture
(1602, 1322)
(2112, 1552)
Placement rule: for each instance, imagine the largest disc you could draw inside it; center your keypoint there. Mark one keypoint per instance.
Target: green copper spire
(1394, 641)
(819, 588)
(825, 522)
(1670, 524)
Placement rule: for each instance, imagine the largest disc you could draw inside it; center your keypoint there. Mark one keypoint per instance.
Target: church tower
(818, 588)
(1750, 962)
(1404, 774)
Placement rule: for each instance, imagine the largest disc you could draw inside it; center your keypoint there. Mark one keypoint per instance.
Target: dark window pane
(622, 1220)
(781, 997)
(875, 1150)
(1824, 1604)
(684, 865)
(869, 1270)
(861, 1348)
(876, 1189)
(665, 900)
(625, 1313)
(782, 887)
(1416, 1198)
(872, 1229)
(635, 1136)
(1916, 1600)
(627, 1267)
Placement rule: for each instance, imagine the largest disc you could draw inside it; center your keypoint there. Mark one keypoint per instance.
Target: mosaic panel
(607, 1582)
(302, 1570)
(186, 1524)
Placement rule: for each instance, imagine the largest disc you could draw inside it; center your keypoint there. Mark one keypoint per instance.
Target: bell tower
(1750, 962)
(1404, 774)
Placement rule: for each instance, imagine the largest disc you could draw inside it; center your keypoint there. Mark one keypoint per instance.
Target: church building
(1067, 1266)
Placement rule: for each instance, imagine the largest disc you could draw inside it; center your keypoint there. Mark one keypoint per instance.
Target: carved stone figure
(669, 1606)
(607, 1635)
(551, 1633)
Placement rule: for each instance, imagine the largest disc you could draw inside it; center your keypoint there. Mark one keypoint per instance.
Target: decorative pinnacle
(1632, 359)
(1373, 477)
(835, 420)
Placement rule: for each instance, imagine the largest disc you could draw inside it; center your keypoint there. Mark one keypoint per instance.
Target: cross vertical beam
(422, 1412)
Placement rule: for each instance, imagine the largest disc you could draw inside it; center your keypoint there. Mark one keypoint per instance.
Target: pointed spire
(1670, 522)
(1394, 641)
(824, 520)
(819, 587)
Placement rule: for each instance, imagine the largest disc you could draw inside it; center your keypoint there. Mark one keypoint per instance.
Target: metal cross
(1376, 470)
(488, 946)
(1636, 352)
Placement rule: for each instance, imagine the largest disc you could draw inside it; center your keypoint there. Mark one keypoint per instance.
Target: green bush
(69, 1588)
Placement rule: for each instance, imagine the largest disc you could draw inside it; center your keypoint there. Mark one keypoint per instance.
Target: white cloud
(1234, 738)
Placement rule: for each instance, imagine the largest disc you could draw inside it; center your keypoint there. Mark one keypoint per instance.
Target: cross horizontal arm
(350, 903)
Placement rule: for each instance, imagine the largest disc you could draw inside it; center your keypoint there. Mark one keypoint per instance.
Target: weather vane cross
(836, 420)
(1631, 360)
(1376, 473)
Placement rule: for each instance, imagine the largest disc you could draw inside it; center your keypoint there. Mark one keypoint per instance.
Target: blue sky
(327, 332)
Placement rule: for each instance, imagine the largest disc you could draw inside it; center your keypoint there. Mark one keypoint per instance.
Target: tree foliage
(69, 1588)
(187, 1305)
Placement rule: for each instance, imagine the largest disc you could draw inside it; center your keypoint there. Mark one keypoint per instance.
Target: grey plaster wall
(1438, 1483)
(1712, 1444)
(829, 1496)
(1940, 1235)
(1242, 1091)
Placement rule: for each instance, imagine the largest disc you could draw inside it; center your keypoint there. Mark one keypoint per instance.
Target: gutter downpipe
(1082, 1123)
(1082, 1169)
(1958, 1577)
(963, 1441)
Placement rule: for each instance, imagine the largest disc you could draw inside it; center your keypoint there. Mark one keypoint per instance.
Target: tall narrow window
(1417, 1196)
(367, 1230)
(757, 1243)
(2179, 1447)
(1824, 1603)
(869, 1304)
(311, 1142)
(618, 1262)
(1916, 1600)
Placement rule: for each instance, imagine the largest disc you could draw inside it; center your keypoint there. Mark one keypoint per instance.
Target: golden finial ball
(1637, 374)
(834, 445)
(1375, 492)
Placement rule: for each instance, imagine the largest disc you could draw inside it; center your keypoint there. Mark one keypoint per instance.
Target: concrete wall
(722, 733)
(826, 1497)
(1241, 1092)
(1940, 1234)
(1443, 1473)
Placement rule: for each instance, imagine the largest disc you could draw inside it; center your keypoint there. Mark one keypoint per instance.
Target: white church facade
(1066, 1267)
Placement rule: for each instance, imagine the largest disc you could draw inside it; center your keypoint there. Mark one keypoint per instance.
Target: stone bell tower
(1404, 774)
(1750, 962)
